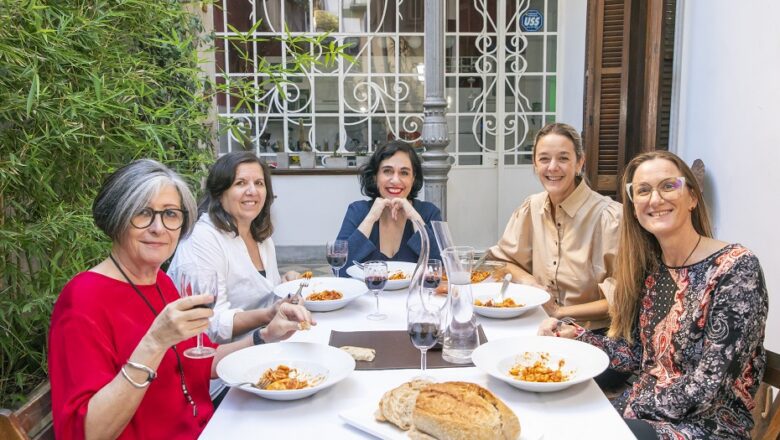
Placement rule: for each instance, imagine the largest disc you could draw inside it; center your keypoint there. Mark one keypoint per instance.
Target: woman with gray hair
(118, 329)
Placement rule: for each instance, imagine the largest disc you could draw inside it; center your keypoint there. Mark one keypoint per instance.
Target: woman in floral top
(688, 314)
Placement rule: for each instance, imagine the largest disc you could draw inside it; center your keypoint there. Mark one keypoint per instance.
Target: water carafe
(460, 335)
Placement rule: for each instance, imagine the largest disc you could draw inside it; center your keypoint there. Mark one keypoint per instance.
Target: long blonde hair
(639, 251)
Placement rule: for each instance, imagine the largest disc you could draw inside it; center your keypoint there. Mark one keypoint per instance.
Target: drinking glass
(375, 277)
(432, 275)
(423, 324)
(336, 253)
(193, 280)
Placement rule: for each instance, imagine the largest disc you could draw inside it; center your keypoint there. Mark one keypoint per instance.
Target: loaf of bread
(448, 411)
(462, 410)
(396, 405)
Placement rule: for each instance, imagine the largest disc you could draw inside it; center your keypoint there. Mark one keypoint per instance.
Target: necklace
(184, 389)
(690, 254)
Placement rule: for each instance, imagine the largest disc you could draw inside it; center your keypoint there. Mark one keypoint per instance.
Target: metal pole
(436, 163)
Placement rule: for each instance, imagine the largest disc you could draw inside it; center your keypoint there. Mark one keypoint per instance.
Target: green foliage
(85, 87)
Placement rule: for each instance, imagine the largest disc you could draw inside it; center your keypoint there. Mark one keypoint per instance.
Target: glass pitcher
(460, 336)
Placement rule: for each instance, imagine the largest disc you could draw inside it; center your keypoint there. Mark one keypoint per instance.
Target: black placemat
(393, 348)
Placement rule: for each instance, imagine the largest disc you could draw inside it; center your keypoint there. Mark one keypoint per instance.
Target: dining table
(580, 411)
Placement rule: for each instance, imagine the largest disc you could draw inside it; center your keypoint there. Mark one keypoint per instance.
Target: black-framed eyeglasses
(172, 218)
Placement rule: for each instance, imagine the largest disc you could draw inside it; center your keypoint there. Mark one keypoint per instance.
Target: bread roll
(397, 404)
(463, 411)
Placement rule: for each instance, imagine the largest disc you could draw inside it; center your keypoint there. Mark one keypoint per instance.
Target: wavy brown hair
(221, 177)
(639, 251)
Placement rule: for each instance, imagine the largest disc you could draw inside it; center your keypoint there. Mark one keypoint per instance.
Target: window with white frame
(500, 76)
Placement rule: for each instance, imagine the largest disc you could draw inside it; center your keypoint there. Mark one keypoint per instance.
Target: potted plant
(336, 160)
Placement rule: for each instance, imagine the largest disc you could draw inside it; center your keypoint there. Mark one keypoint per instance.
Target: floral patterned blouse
(698, 348)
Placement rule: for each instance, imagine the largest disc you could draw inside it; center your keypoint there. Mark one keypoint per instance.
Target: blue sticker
(531, 20)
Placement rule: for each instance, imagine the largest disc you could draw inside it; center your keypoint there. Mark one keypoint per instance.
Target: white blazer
(241, 287)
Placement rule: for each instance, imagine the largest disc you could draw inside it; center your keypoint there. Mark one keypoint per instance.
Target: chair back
(33, 421)
(766, 414)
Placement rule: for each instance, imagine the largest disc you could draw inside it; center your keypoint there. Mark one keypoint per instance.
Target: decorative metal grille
(354, 107)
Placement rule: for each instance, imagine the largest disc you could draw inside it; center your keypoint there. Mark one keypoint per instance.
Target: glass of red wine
(423, 321)
(375, 277)
(336, 253)
(433, 273)
(193, 280)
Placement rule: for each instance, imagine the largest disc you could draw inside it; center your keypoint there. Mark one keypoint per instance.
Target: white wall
(729, 117)
(309, 209)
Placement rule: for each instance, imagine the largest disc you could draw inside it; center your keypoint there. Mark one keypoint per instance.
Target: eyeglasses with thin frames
(668, 189)
(172, 218)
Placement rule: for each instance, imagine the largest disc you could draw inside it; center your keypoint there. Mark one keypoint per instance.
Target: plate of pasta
(285, 370)
(518, 299)
(323, 294)
(399, 274)
(540, 363)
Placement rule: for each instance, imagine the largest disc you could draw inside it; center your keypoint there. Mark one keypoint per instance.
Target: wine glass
(423, 321)
(432, 275)
(336, 253)
(375, 277)
(193, 281)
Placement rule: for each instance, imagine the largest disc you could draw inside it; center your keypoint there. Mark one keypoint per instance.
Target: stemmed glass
(433, 273)
(423, 321)
(193, 280)
(375, 277)
(336, 253)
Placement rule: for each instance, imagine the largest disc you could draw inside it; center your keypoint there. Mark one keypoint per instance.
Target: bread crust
(463, 411)
(396, 405)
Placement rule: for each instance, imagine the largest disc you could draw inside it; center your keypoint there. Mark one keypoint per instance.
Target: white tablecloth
(579, 412)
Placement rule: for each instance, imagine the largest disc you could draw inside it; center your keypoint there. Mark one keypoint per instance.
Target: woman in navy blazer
(380, 228)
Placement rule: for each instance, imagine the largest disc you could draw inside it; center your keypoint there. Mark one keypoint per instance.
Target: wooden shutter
(628, 84)
(606, 87)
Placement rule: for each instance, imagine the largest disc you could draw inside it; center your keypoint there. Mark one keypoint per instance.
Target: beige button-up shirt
(573, 254)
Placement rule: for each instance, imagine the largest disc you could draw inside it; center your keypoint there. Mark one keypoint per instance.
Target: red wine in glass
(424, 334)
(336, 260)
(376, 282)
(431, 281)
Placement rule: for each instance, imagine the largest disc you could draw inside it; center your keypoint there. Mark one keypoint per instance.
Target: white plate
(529, 296)
(351, 289)
(248, 365)
(362, 417)
(392, 266)
(583, 360)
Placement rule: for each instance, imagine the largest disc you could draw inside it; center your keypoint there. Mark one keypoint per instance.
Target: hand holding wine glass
(375, 277)
(193, 281)
(336, 253)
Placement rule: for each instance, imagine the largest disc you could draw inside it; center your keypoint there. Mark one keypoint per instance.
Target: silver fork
(563, 321)
(298, 297)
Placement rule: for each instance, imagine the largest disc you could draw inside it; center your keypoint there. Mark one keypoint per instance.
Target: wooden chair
(32, 421)
(767, 411)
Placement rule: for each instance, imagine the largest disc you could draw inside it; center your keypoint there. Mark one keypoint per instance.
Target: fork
(297, 297)
(563, 321)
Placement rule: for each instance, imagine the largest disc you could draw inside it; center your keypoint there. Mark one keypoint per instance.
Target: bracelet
(257, 339)
(152, 375)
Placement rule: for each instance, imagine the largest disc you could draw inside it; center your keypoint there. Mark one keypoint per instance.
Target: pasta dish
(539, 371)
(397, 275)
(284, 378)
(325, 295)
(506, 303)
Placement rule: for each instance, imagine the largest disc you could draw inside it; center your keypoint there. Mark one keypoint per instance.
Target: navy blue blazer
(366, 249)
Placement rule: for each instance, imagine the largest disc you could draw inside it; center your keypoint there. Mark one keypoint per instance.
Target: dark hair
(371, 168)
(221, 177)
(129, 189)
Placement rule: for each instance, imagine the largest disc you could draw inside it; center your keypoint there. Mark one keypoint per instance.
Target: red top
(96, 324)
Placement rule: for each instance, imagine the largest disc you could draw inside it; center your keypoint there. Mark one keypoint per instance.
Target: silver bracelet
(151, 374)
